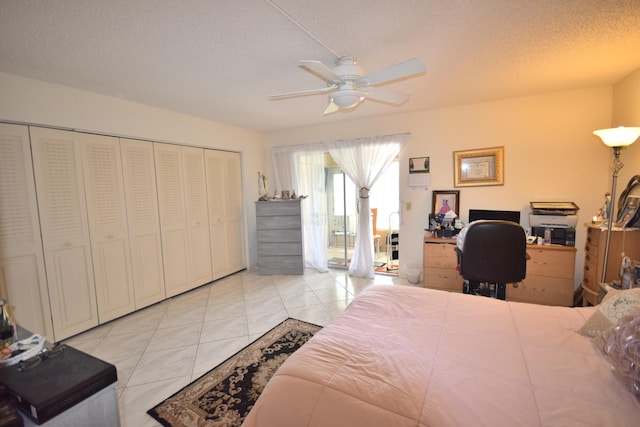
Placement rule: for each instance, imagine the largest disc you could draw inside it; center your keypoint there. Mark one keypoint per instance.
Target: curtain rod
(321, 144)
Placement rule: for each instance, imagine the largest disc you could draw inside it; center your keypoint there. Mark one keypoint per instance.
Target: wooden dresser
(279, 229)
(549, 280)
(622, 240)
(439, 262)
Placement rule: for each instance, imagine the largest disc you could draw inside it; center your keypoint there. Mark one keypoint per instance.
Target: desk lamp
(615, 138)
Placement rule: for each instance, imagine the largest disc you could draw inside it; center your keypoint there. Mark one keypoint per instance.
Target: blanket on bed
(404, 356)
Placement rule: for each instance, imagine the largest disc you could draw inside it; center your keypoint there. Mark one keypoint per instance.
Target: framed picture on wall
(445, 201)
(478, 167)
(419, 165)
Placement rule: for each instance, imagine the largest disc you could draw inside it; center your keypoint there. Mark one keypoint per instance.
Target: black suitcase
(56, 383)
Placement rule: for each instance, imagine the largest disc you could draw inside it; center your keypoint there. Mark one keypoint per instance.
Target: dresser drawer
(280, 265)
(270, 236)
(440, 255)
(542, 290)
(278, 222)
(591, 251)
(593, 237)
(590, 259)
(590, 281)
(442, 278)
(278, 208)
(273, 249)
(551, 263)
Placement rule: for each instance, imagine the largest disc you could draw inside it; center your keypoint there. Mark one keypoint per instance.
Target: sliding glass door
(343, 217)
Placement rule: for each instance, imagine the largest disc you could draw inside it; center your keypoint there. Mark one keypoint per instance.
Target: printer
(559, 218)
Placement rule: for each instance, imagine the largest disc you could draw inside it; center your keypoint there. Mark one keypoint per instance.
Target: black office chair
(492, 253)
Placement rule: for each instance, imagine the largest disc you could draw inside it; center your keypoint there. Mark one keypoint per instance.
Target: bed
(405, 356)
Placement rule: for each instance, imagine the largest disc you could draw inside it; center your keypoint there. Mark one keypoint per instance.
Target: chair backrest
(494, 252)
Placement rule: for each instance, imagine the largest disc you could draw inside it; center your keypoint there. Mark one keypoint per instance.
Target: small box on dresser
(279, 229)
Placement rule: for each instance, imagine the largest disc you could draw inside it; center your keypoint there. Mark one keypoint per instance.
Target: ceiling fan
(347, 84)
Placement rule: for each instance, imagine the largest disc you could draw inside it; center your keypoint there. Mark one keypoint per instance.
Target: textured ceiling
(220, 59)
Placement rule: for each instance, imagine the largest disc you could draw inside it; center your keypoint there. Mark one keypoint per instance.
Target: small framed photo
(285, 195)
(419, 165)
(445, 201)
(478, 167)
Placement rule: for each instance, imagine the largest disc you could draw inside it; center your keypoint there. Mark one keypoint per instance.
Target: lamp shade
(618, 137)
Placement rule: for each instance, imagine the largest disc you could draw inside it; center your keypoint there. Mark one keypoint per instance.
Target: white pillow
(613, 307)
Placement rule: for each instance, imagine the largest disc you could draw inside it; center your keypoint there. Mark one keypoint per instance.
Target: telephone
(629, 204)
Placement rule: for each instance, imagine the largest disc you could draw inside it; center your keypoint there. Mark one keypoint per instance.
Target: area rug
(225, 395)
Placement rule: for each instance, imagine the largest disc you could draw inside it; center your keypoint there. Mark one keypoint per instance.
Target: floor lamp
(615, 138)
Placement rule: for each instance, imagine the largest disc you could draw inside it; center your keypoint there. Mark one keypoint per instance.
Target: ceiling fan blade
(302, 93)
(395, 72)
(321, 70)
(331, 108)
(387, 96)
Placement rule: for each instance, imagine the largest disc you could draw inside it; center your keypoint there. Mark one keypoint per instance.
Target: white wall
(626, 112)
(550, 152)
(550, 155)
(36, 102)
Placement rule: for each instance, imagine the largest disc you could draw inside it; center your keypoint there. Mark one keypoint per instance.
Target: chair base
(485, 289)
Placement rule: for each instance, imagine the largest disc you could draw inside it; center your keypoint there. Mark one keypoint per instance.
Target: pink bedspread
(404, 356)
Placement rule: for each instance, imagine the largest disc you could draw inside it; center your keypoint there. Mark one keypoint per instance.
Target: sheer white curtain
(301, 168)
(364, 160)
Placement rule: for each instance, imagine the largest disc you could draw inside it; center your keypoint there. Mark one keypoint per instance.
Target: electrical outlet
(408, 206)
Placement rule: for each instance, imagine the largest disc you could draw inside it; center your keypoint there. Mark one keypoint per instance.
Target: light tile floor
(160, 349)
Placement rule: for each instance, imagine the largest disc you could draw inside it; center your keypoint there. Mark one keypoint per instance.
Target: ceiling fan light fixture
(348, 86)
(346, 98)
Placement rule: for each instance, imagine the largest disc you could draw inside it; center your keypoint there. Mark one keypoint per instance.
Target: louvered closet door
(173, 222)
(197, 215)
(65, 231)
(22, 275)
(143, 221)
(234, 211)
(225, 211)
(107, 225)
(216, 193)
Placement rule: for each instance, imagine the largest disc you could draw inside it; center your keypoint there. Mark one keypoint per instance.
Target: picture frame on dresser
(444, 200)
